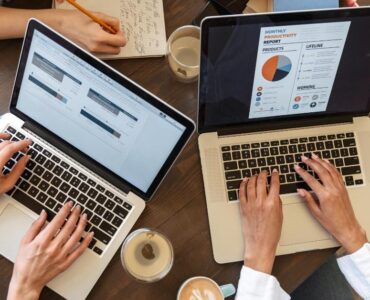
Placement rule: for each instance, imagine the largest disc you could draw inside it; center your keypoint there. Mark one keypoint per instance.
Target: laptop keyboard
(49, 181)
(246, 160)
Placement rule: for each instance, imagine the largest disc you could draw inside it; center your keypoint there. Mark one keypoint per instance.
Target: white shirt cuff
(254, 285)
(356, 269)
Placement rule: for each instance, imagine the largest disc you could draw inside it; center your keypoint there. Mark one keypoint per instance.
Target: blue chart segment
(276, 68)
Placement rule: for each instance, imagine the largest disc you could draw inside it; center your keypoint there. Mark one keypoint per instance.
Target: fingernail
(42, 212)
(245, 179)
(297, 167)
(314, 156)
(28, 157)
(78, 207)
(300, 192)
(70, 203)
(275, 171)
(84, 216)
(304, 158)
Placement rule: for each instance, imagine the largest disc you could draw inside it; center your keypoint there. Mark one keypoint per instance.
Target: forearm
(18, 292)
(13, 22)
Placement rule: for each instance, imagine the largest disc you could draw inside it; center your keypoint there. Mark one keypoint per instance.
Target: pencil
(90, 15)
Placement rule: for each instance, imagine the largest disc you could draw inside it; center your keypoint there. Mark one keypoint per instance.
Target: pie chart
(277, 68)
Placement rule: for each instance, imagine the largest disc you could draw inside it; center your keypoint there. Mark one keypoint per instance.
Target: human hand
(45, 253)
(351, 3)
(89, 34)
(262, 219)
(331, 206)
(7, 150)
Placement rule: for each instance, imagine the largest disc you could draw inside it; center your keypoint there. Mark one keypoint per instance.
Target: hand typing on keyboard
(7, 150)
(330, 203)
(44, 253)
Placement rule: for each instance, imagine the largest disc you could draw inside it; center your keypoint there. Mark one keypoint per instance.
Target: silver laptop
(274, 87)
(98, 139)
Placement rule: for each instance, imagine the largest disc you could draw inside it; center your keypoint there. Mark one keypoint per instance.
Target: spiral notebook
(142, 22)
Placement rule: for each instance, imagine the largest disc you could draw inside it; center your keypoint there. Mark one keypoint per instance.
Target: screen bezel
(119, 78)
(300, 120)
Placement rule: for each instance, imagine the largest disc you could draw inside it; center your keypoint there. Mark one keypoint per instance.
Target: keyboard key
(56, 182)
(58, 170)
(20, 136)
(98, 250)
(236, 155)
(226, 156)
(344, 152)
(52, 191)
(349, 142)
(11, 130)
(233, 175)
(108, 216)
(95, 220)
(225, 148)
(290, 177)
(55, 159)
(33, 191)
(339, 162)
(109, 204)
(33, 153)
(58, 207)
(284, 169)
(235, 147)
(359, 181)
(109, 194)
(322, 138)
(42, 197)
(351, 170)
(282, 178)
(73, 171)
(283, 150)
(61, 197)
(100, 236)
(43, 186)
(353, 151)
(38, 147)
(92, 193)
(82, 198)
(252, 163)
(312, 139)
(101, 199)
(99, 210)
(91, 204)
(26, 174)
(230, 165)
(233, 185)
(246, 146)
(10, 163)
(246, 154)
(49, 165)
(73, 193)
(65, 187)
(40, 159)
(46, 153)
(83, 187)
(284, 142)
(88, 213)
(31, 165)
(91, 182)
(349, 161)
(274, 151)
(120, 211)
(50, 203)
(232, 195)
(82, 176)
(280, 160)
(117, 221)
(24, 185)
(246, 173)
(64, 165)
(92, 243)
(14, 139)
(66, 176)
(106, 227)
(75, 182)
(242, 164)
(39, 170)
(47, 176)
(118, 200)
(256, 153)
(271, 161)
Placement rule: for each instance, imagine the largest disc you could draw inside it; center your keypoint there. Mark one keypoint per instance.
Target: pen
(90, 15)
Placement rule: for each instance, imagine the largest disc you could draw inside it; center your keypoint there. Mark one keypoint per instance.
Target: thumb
(35, 228)
(310, 202)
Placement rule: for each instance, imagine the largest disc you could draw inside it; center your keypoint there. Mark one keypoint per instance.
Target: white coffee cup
(197, 292)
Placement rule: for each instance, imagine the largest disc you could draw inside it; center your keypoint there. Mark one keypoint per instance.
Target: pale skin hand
(331, 206)
(262, 219)
(71, 23)
(45, 253)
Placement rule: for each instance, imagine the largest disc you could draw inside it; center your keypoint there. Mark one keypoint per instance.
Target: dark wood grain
(179, 207)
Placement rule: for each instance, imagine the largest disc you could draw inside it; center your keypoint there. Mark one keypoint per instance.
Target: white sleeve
(356, 269)
(254, 285)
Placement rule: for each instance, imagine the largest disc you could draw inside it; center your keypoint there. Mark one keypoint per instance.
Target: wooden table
(179, 208)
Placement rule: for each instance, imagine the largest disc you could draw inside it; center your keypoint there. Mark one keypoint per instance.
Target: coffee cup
(204, 288)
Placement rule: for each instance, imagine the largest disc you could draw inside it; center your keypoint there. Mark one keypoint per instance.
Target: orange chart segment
(276, 68)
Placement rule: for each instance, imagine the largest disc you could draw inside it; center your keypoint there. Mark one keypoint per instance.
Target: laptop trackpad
(14, 223)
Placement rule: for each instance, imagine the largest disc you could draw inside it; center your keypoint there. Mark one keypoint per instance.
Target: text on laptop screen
(95, 114)
(255, 72)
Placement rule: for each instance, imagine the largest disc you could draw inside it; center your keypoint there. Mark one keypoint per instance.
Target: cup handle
(228, 290)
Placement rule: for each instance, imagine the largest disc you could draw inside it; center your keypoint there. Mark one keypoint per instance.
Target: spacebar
(292, 187)
(32, 204)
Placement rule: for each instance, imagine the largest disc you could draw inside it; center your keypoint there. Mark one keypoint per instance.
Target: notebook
(142, 22)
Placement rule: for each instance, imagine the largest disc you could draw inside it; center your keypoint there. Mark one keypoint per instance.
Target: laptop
(99, 139)
(273, 87)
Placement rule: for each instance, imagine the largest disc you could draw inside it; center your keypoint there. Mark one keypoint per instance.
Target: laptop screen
(95, 114)
(284, 66)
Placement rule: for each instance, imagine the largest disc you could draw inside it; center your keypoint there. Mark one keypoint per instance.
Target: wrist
(354, 241)
(262, 263)
(21, 291)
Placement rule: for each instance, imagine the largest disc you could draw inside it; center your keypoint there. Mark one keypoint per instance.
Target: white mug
(226, 290)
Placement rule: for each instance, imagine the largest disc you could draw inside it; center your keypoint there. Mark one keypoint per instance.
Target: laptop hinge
(286, 124)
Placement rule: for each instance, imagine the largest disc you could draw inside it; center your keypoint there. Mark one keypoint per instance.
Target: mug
(223, 291)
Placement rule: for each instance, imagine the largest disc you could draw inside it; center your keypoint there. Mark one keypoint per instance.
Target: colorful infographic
(296, 68)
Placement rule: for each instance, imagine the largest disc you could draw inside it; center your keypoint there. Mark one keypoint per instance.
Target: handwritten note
(142, 22)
